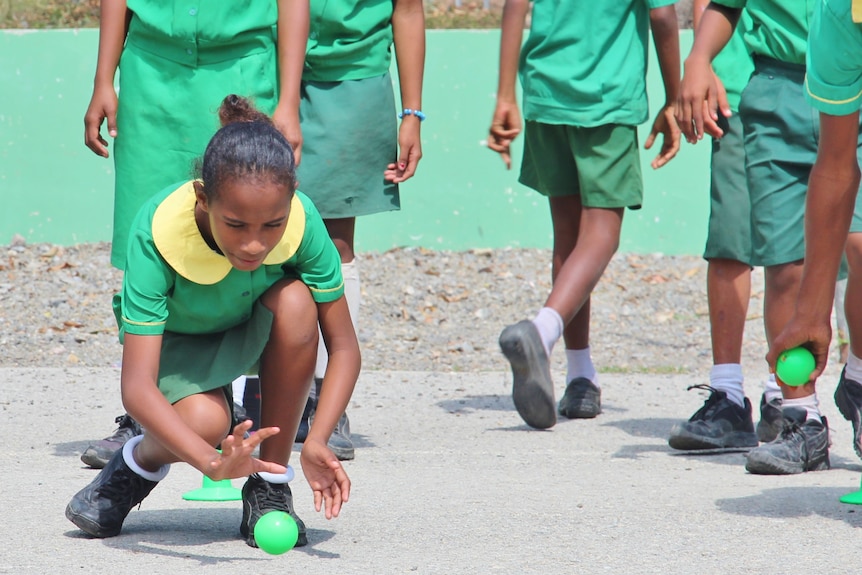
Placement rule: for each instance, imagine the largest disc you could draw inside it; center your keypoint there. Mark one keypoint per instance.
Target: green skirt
(349, 136)
(192, 364)
(168, 111)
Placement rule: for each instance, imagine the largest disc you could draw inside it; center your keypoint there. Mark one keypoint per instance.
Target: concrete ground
(447, 479)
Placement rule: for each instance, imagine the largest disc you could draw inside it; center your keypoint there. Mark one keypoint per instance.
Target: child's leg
(287, 364)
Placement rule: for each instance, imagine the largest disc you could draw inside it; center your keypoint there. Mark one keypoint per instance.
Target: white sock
(853, 369)
(727, 377)
(809, 403)
(580, 364)
(350, 274)
(771, 389)
(238, 387)
(129, 458)
(550, 326)
(278, 478)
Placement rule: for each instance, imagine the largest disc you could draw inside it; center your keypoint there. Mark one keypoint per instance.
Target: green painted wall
(53, 189)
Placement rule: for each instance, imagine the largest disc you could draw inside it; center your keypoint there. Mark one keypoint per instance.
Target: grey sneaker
(719, 424)
(260, 496)
(803, 445)
(101, 508)
(848, 398)
(302, 431)
(100, 452)
(339, 442)
(582, 399)
(771, 421)
(532, 389)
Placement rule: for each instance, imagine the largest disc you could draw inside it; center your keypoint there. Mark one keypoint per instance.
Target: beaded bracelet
(411, 112)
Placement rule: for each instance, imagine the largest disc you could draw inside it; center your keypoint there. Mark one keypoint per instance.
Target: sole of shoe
(767, 465)
(532, 389)
(684, 440)
(850, 413)
(89, 526)
(92, 459)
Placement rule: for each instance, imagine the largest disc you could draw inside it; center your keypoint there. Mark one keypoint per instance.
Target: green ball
(276, 532)
(794, 366)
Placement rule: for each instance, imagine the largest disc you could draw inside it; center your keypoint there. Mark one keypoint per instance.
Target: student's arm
(293, 21)
(144, 402)
(321, 468)
(720, 92)
(665, 31)
(113, 26)
(698, 99)
(506, 123)
(829, 206)
(408, 31)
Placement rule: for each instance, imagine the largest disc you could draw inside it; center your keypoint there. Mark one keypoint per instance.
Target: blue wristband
(411, 112)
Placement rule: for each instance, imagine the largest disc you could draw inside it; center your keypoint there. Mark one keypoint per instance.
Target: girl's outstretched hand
(410, 152)
(325, 476)
(235, 459)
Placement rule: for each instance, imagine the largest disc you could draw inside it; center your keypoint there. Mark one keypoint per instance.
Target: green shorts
(349, 136)
(729, 231)
(195, 363)
(600, 164)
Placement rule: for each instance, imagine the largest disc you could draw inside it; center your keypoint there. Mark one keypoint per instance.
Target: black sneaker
(848, 398)
(339, 442)
(582, 400)
(100, 452)
(258, 497)
(302, 431)
(803, 445)
(771, 421)
(720, 424)
(100, 508)
(532, 389)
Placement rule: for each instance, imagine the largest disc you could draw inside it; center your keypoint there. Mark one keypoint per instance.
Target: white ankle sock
(353, 295)
(809, 403)
(550, 326)
(238, 388)
(727, 377)
(853, 369)
(771, 389)
(278, 478)
(580, 364)
(129, 458)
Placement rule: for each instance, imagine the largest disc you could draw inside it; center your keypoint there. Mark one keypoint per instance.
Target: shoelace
(709, 405)
(274, 497)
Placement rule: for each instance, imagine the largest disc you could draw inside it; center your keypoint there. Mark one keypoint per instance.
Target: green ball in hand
(276, 532)
(794, 366)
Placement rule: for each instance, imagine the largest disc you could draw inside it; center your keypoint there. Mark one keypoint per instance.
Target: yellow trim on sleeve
(327, 290)
(143, 323)
(856, 9)
(176, 235)
(828, 101)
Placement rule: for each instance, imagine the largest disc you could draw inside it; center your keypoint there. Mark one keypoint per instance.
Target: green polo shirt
(175, 282)
(734, 64)
(779, 28)
(584, 62)
(833, 82)
(187, 32)
(348, 40)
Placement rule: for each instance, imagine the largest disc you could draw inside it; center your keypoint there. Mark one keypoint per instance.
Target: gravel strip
(422, 310)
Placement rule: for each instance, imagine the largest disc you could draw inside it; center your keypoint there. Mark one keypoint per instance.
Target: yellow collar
(856, 11)
(180, 243)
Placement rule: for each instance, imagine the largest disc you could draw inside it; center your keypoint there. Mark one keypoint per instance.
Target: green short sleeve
(833, 83)
(147, 281)
(316, 262)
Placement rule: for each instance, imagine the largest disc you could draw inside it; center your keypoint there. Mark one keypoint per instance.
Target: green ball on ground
(794, 366)
(276, 532)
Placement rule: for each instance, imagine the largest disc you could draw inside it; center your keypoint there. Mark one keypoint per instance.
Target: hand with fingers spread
(325, 476)
(410, 152)
(103, 106)
(664, 124)
(235, 459)
(505, 127)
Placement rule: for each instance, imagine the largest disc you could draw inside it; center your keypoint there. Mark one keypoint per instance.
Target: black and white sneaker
(260, 496)
(848, 398)
(720, 424)
(802, 445)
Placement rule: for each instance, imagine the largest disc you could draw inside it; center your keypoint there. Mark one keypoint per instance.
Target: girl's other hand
(325, 476)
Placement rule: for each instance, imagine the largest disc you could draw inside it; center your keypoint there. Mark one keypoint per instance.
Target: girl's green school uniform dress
(347, 111)
(179, 62)
(213, 326)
